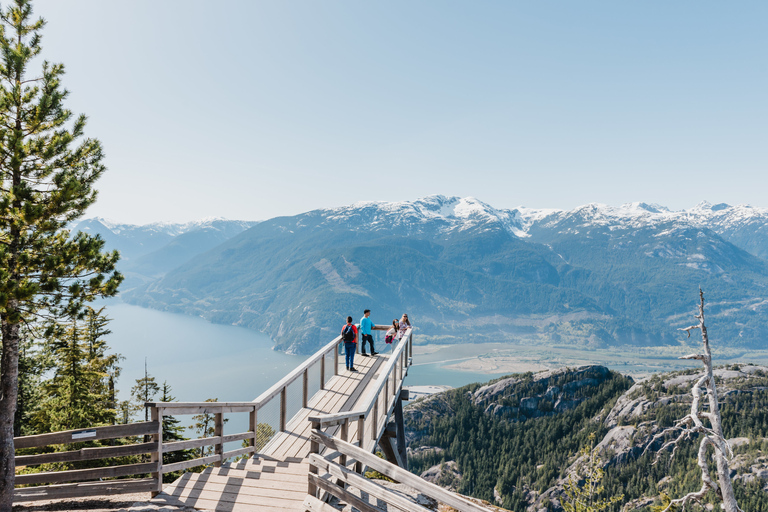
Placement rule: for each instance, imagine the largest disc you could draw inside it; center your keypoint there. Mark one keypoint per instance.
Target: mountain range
(465, 271)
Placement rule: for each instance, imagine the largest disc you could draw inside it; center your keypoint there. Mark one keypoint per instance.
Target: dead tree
(694, 424)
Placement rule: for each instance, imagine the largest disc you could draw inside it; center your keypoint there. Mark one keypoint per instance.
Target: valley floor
(506, 358)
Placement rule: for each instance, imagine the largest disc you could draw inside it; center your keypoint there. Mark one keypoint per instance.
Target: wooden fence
(53, 487)
(336, 479)
(254, 437)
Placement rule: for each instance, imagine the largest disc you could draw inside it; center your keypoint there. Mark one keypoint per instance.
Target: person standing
(349, 337)
(366, 332)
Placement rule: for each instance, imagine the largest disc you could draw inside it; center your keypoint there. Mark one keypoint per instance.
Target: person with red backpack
(349, 337)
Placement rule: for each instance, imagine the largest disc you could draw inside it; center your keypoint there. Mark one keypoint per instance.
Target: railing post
(375, 418)
(336, 360)
(314, 447)
(252, 426)
(283, 407)
(344, 437)
(393, 378)
(218, 431)
(157, 455)
(360, 438)
(322, 372)
(410, 345)
(305, 389)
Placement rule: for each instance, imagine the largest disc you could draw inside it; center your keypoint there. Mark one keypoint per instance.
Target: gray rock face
(555, 397)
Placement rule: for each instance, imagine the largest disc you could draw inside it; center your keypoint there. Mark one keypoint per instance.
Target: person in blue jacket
(366, 328)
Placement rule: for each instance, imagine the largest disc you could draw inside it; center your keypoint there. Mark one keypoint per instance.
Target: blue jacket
(365, 325)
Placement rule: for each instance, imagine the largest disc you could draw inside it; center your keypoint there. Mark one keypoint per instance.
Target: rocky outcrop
(545, 393)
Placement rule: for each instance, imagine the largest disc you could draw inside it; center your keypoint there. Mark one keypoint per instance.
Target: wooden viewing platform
(294, 463)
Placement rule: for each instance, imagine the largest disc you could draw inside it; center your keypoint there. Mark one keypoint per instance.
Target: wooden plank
(210, 408)
(313, 504)
(351, 388)
(242, 486)
(218, 431)
(81, 490)
(399, 474)
(157, 455)
(283, 407)
(202, 461)
(390, 367)
(238, 452)
(77, 475)
(86, 454)
(343, 494)
(207, 503)
(277, 499)
(341, 393)
(172, 407)
(236, 437)
(87, 434)
(189, 444)
(369, 486)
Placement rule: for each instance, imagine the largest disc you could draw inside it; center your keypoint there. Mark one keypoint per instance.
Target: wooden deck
(277, 477)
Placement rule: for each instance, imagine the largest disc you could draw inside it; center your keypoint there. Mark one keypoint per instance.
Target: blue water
(198, 359)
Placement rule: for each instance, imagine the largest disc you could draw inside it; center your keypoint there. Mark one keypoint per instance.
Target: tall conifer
(47, 174)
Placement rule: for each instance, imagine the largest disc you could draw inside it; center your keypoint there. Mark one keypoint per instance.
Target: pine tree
(81, 392)
(585, 498)
(144, 391)
(47, 175)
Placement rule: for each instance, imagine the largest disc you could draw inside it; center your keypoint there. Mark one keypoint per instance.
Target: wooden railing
(389, 383)
(52, 480)
(336, 479)
(384, 395)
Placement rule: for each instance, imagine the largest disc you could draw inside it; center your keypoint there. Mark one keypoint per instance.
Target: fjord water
(202, 360)
(198, 359)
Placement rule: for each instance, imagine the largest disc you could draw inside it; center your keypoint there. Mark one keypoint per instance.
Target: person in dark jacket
(349, 337)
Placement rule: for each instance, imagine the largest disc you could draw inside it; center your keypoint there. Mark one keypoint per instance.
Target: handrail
(294, 375)
(370, 401)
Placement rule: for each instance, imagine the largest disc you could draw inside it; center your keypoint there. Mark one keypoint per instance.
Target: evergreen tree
(81, 392)
(144, 391)
(173, 431)
(586, 498)
(33, 363)
(205, 426)
(47, 175)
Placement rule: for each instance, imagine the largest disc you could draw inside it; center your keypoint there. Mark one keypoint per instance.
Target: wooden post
(400, 425)
(375, 418)
(253, 426)
(283, 407)
(314, 447)
(218, 431)
(410, 346)
(393, 378)
(336, 360)
(344, 437)
(305, 389)
(361, 444)
(157, 455)
(322, 372)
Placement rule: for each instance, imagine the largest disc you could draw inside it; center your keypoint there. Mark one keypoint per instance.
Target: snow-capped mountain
(596, 274)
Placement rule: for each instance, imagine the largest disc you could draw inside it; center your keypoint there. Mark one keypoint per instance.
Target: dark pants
(349, 350)
(369, 339)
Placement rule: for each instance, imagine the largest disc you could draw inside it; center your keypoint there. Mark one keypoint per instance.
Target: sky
(257, 109)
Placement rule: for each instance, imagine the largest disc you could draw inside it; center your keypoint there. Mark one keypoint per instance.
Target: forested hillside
(468, 272)
(514, 441)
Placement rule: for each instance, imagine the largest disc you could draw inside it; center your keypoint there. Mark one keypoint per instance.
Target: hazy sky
(250, 110)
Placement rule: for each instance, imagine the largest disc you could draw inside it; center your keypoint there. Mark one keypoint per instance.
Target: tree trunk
(9, 378)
